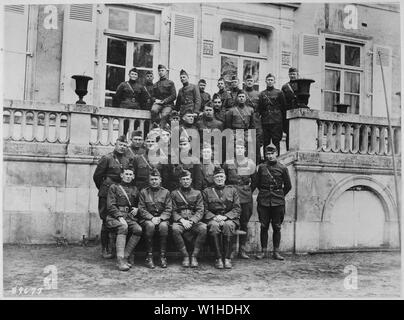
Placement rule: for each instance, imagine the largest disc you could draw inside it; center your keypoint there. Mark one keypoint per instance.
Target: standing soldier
(217, 108)
(234, 89)
(222, 214)
(164, 95)
(205, 97)
(188, 97)
(224, 96)
(148, 86)
(108, 172)
(273, 183)
(130, 94)
(208, 166)
(271, 106)
(208, 120)
(187, 215)
(137, 146)
(241, 174)
(122, 203)
(289, 90)
(241, 115)
(155, 209)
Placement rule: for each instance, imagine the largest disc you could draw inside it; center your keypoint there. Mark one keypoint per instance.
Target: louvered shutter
(311, 65)
(183, 47)
(15, 50)
(378, 100)
(78, 50)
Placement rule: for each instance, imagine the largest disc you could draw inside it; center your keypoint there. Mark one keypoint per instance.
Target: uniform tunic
(192, 210)
(130, 94)
(271, 106)
(164, 90)
(226, 104)
(154, 202)
(205, 98)
(188, 98)
(240, 117)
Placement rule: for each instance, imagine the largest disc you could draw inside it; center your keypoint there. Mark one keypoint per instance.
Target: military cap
(234, 78)
(149, 72)
(270, 148)
(174, 113)
(293, 69)
(239, 142)
(241, 91)
(161, 66)
(215, 96)
(184, 173)
(202, 81)
(206, 145)
(166, 128)
(128, 167)
(154, 173)
(208, 104)
(189, 111)
(122, 138)
(270, 75)
(218, 170)
(249, 77)
(183, 72)
(153, 134)
(184, 138)
(137, 133)
(133, 70)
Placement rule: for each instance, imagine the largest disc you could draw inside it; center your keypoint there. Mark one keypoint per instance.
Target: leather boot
(106, 254)
(120, 248)
(218, 253)
(219, 263)
(228, 248)
(227, 263)
(277, 256)
(185, 259)
(149, 261)
(163, 260)
(262, 254)
(130, 246)
(112, 244)
(194, 260)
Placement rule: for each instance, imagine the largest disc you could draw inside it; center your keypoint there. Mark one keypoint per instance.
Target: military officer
(164, 94)
(187, 218)
(188, 122)
(271, 106)
(273, 183)
(208, 122)
(205, 97)
(137, 146)
(130, 94)
(208, 166)
(108, 171)
(189, 97)
(222, 214)
(155, 208)
(240, 116)
(240, 173)
(148, 86)
(234, 90)
(289, 90)
(122, 204)
(225, 98)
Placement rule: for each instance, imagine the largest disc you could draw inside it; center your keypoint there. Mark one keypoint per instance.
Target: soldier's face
(234, 83)
(202, 87)
(293, 75)
(241, 98)
(219, 179)
(120, 146)
(270, 81)
(249, 83)
(188, 118)
(208, 111)
(162, 72)
(185, 182)
(220, 85)
(127, 176)
(184, 78)
(137, 141)
(149, 78)
(240, 151)
(154, 181)
(271, 156)
(165, 137)
(174, 120)
(217, 103)
(151, 143)
(207, 154)
(184, 146)
(133, 75)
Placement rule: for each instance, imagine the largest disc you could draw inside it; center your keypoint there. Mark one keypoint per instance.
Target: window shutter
(15, 50)
(311, 66)
(183, 47)
(78, 50)
(378, 100)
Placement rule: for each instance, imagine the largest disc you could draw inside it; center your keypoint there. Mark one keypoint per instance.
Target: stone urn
(302, 92)
(81, 87)
(342, 107)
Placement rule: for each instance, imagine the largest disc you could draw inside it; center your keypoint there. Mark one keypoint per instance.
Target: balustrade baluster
(141, 126)
(131, 125)
(320, 132)
(347, 138)
(23, 124)
(11, 125)
(121, 126)
(68, 122)
(355, 147)
(35, 127)
(364, 141)
(330, 131)
(46, 128)
(57, 127)
(110, 131)
(397, 140)
(338, 137)
(99, 129)
(382, 140)
(373, 140)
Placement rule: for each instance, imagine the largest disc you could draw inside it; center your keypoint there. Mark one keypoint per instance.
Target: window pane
(229, 39)
(115, 76)
(118, 19)
(143, 55)
(332, 52)
(352, 82)
(353, 101)
(251, 43)
(352, 56)
(145, 23)
(108, 99)
(332, 80)
(228, 67)
(252, 68)
(116, 52)
(329, 100)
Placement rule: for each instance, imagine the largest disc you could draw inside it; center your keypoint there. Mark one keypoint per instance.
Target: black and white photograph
(201, 150)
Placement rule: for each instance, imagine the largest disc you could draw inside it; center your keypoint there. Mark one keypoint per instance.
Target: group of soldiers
(143, 191)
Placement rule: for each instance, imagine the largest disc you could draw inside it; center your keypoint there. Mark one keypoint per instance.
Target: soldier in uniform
(208, 120)
(164, 94)
(137, 146)
(148, 86)
(205, 97)
(241, 115)
(241, 174)
(222, 214)
(225, 97)
(187, 219)
(219, 112)
(188, 97)
(234, 90)
(271, 106)
(108, 172)
(155, 208)
(289, 90)
(208, 166)
(273, 183)
(130, 94)
(122, 204)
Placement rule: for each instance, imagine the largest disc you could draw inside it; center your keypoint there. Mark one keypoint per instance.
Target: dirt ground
(82, 273)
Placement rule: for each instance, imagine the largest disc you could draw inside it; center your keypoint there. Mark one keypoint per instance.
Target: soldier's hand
(186, 223)
(122, 220)
(155, 220)
(134, 212)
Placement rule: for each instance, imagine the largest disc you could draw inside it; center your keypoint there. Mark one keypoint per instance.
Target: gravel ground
(82, 273)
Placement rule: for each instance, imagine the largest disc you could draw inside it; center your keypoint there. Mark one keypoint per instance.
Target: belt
(271, 189)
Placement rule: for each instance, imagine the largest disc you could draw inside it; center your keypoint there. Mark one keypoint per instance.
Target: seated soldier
(187, 216)
(222, 214)
(122, 202)
(155, 208)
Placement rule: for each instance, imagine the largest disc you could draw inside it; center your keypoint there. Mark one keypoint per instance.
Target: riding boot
(228, 247)
(130, 247)
(120, 248)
